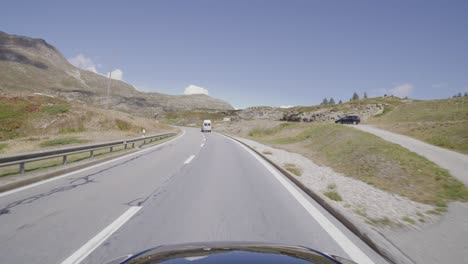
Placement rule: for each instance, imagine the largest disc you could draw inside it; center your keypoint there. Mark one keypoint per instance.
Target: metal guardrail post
(22, 158)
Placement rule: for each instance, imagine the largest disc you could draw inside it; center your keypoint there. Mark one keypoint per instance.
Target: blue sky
(261, 52)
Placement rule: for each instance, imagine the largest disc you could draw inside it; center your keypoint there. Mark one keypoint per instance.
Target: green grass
(442, 123)
(383, 221)
(333, 195)
(62, 141)
(123, 125)
(3, 146)
(45, 164)
(16, 113)
(66, 130)
(260, 132)
(368, 158)
(184, 118)
(55, 109)
(293, 169)
(360, 211)
(409, 220)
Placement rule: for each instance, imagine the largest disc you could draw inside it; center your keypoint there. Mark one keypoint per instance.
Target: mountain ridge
(31, 65)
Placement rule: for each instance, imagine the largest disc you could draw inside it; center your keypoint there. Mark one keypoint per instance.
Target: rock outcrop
(332, 114)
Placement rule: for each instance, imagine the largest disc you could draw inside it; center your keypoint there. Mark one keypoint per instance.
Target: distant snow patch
(286, 106)
(193, 89)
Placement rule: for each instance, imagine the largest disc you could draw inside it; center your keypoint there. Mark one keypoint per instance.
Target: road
(197, 187)
(456, 163)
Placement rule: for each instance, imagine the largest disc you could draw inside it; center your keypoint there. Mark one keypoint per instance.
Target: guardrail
(23, 158)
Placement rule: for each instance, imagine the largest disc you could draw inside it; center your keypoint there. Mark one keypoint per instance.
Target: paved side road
(200, 187)
(454, 162)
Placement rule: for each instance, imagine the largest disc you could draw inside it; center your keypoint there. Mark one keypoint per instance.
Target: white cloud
(83, 62)
(116, 74)
(193, 89)
(286, 106)
(402, 90)
(86, 63)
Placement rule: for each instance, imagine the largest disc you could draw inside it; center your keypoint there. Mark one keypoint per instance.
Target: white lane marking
(203, 144)
(189, 159)
(354, 252)
(92, 244)
(88, 168)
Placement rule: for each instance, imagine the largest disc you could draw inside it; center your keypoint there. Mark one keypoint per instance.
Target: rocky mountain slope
(29, 66)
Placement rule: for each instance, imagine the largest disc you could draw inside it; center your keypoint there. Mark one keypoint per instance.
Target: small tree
(466, 94)
(332, 101)
(365, 95)
(459, 95)
(340, 102)
(355, 97)
(325, 101)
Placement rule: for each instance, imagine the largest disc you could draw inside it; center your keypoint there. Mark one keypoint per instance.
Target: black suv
(349, 120)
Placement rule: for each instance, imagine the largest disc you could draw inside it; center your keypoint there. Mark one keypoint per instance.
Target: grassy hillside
(366, 157)
(442, 123)
(37, 122)
(195, 117)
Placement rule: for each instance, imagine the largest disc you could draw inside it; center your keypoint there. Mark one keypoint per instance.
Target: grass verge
(368, 158)
(50, 163)
(293, 169)
(62, 141)
(443, 123)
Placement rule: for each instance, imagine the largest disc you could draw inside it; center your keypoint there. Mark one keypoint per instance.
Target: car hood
(230, 252)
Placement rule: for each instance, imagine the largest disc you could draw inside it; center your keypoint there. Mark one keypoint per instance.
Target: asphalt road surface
(198, 187)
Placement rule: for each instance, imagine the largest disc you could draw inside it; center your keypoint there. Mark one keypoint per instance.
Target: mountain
(29, 65)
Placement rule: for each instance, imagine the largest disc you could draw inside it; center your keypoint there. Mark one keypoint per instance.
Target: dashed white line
(203, 144)
(92, 244)
(189, 159)
(354, 252)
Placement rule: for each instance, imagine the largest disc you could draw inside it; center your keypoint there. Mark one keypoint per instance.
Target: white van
(206, 126)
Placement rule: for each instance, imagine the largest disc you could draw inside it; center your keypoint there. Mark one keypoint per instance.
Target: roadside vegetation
(332, 193)
(368, 158)
(36, 122)
(292, 168)
(442, 123)
(193, 118)
(62, 141)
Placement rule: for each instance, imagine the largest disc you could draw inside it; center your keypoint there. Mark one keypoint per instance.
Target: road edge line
(393, 256)
(25, 184)
(88, 248)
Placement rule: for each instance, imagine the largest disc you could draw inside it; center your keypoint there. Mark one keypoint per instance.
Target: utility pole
(108, 89)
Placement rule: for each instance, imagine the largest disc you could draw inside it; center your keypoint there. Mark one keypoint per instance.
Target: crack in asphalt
(74, 183)
(78, 182)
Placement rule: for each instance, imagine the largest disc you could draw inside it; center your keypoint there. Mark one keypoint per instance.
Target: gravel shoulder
(371, 206)
(456, 163)
(439, 239)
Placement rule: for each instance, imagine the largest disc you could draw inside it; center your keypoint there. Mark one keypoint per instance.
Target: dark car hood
(230, 252)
